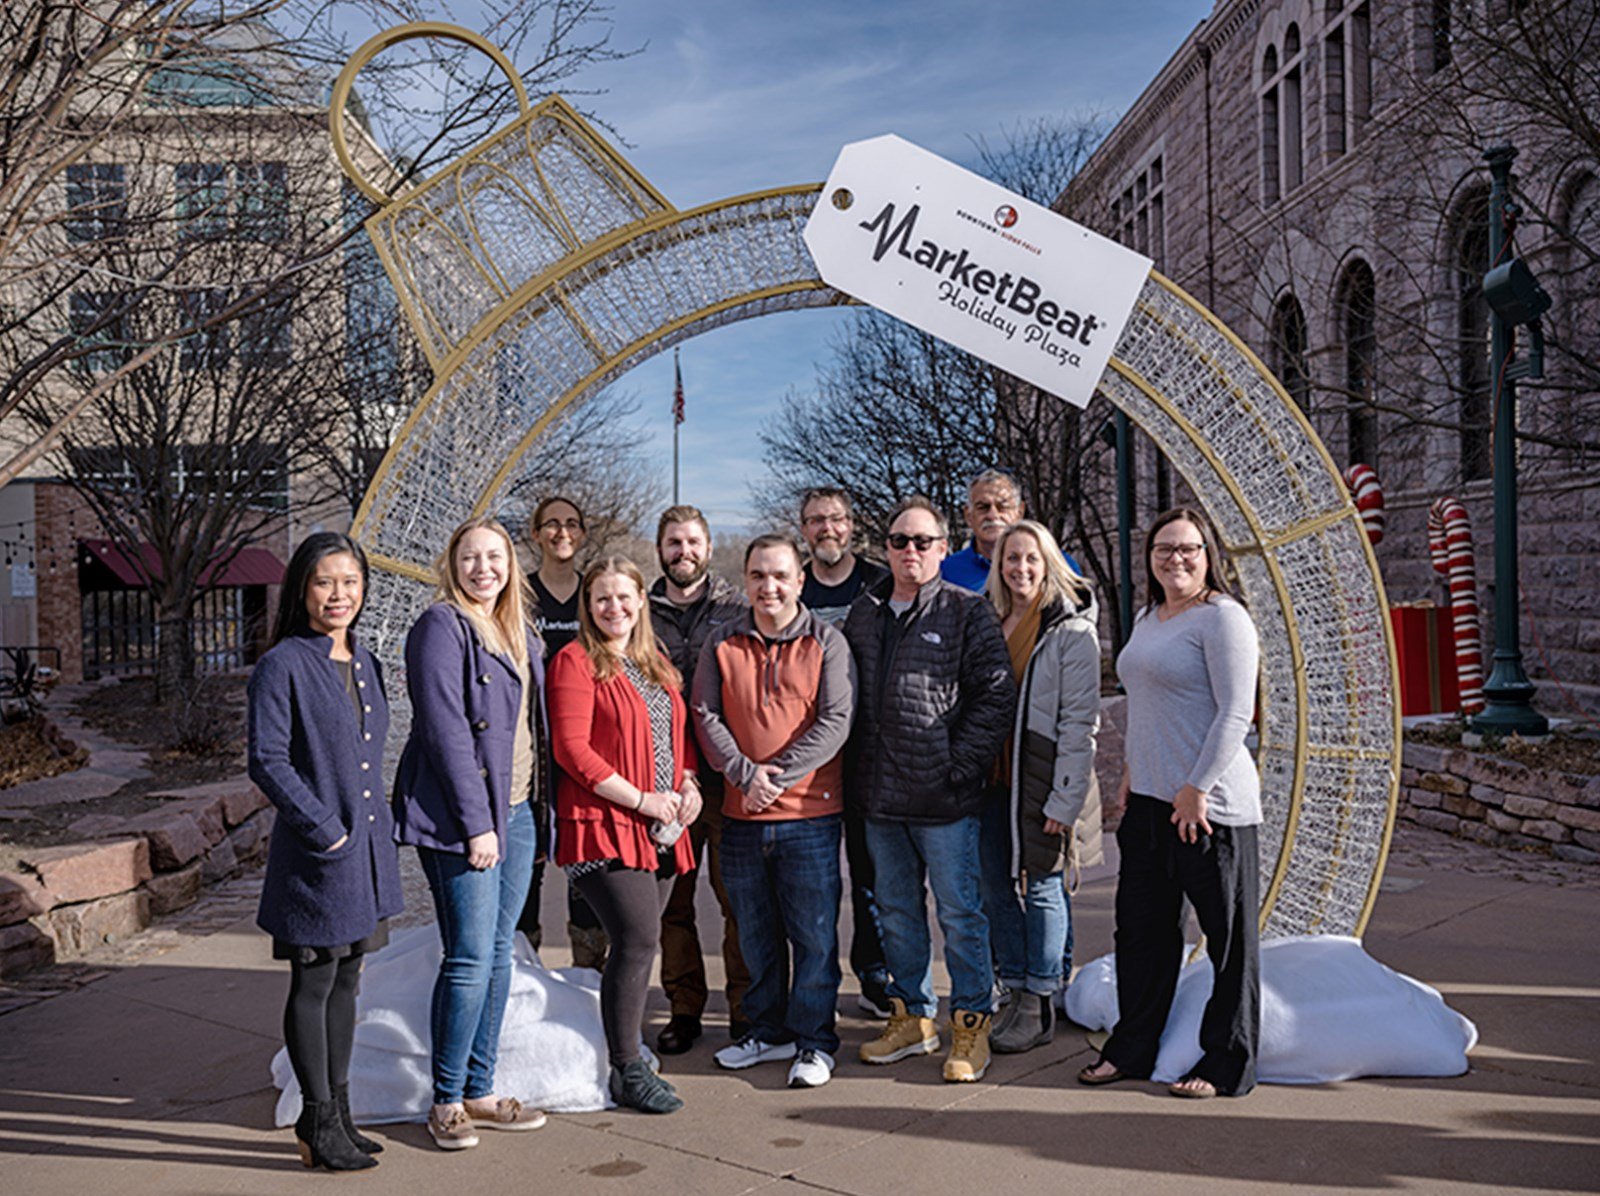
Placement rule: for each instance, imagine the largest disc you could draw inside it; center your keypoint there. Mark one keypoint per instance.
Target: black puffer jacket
(934, 702)
(684, 630)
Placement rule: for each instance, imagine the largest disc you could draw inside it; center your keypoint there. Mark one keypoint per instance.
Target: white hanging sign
(943, 249)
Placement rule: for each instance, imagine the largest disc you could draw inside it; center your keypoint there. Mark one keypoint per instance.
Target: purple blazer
(324, 774)
(454, 779)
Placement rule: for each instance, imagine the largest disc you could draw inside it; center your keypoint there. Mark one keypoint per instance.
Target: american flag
(677, 389)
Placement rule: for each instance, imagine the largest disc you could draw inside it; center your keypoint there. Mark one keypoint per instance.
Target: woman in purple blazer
(317, 720)
(472, 795)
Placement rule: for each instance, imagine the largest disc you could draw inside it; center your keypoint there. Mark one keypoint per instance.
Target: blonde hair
(1060, 580)
(642, 647)
(506, 630)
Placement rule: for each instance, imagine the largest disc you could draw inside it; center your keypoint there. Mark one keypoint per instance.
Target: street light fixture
(1515, 298)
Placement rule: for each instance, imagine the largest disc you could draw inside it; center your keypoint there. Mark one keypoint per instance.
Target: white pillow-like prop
(552, 1046)
(1329, 1011)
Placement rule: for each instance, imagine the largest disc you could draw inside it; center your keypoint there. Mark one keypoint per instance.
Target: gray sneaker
(750, 1050)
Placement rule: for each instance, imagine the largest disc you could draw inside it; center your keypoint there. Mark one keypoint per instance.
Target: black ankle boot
(341, 1100)
(323, 1142)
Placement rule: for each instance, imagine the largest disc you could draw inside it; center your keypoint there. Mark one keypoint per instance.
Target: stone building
(1313, 171)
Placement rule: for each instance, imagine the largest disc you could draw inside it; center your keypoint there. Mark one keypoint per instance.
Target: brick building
(222, 448)
(1312, 170)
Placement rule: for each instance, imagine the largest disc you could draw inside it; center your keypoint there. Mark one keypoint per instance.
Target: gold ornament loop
(376, 45)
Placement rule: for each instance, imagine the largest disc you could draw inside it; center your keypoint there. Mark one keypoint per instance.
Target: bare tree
(595, 457)
(185, 305)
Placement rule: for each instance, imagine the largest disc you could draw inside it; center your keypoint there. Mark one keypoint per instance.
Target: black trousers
(1220, 877)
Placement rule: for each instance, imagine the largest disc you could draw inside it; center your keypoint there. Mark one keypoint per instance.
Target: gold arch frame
(603, 272)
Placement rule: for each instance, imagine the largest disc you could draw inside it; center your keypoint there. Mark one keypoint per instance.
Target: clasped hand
(764, 790)
(682, 806)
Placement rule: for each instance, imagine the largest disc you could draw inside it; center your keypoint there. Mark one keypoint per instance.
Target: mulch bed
(33, 750)
(1567, 749)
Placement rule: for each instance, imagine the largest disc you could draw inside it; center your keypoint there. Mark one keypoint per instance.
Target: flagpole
(677, 419)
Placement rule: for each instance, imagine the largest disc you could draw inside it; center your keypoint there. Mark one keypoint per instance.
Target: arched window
(1291, 136)
(1288, 350)
(1469, 260)
(1356, 305)
(1271, 180)
(1346, 76)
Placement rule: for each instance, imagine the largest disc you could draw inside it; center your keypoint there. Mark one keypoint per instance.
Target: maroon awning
(249, 566)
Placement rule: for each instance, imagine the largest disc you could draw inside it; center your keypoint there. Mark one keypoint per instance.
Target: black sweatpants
(1219, 875)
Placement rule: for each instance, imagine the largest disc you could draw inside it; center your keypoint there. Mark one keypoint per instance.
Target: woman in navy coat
(317, 721)
(472, 795)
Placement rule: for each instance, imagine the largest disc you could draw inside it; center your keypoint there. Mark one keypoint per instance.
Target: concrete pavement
(153, 1079)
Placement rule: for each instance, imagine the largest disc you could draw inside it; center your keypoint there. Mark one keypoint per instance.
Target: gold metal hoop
(376, 45)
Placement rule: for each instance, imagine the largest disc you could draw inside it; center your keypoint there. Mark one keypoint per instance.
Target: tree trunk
(175, 662)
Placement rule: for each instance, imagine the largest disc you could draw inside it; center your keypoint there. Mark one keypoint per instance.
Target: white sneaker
(811, 1069)
(750, 1050)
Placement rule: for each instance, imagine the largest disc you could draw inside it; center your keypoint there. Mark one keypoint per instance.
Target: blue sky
(731, 96)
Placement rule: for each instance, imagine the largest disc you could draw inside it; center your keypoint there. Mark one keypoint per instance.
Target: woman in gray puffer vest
(1043, 814)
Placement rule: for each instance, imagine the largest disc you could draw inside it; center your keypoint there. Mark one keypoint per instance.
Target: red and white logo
(1005, 215)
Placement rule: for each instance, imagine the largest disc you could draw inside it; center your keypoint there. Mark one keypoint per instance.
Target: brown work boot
(590, 946)
(969, 1047)
(904, 1036)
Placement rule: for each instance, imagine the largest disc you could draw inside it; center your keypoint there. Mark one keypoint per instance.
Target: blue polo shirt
(969, 568)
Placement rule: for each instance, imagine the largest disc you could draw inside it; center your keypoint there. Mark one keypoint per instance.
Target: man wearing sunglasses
(934, 702)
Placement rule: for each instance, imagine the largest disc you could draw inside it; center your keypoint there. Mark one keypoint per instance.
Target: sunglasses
(900, 541)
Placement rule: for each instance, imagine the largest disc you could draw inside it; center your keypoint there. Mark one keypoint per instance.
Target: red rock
(219, 863)
(85, 871)
(173, 837)
(172, 891)
(77, 928)
(207, 814)
(21, 897)
(23, 948)
(97, 826)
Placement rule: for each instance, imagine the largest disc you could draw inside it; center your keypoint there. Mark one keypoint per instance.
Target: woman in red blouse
(626, 791)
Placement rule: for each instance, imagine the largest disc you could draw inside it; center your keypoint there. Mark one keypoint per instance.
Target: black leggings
(319, 1023)
(629, 903)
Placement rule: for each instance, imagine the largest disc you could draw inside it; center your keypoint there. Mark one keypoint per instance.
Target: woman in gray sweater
(1193, 804)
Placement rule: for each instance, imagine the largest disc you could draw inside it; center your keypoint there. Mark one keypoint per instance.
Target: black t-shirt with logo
(557, 621)
(832, 603)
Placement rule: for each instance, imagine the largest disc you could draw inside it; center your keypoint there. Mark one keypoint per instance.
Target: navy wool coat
(454, 779)
(323, 773)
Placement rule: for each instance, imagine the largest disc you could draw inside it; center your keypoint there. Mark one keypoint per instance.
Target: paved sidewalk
(148, 1074)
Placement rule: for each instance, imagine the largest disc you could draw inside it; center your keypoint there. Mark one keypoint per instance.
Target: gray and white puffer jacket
(934, 700)
(1052, 750)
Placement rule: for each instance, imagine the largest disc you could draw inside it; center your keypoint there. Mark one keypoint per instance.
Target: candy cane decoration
(1363, 483)
(1450, 546)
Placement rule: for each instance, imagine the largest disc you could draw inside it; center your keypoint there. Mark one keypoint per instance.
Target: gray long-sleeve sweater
(1191, 685)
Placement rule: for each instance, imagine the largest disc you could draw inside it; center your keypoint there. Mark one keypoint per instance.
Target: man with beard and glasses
(834, 578)
(836, 573)
(994, 503)
(687, 603)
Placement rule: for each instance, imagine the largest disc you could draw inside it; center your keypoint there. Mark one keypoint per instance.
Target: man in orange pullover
(773, 699)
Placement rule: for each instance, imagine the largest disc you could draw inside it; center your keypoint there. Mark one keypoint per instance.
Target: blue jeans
(477, 913)
(910, 858)
(1031, 938)
(782, 881)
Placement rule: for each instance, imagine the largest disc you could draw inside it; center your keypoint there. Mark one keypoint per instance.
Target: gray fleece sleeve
(711, 729)
(836, 705)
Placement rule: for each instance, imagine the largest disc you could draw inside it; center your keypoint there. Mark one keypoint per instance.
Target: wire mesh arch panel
(540, 268)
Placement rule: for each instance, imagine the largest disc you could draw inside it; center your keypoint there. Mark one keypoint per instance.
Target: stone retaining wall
(1501, 802)
(63, 900)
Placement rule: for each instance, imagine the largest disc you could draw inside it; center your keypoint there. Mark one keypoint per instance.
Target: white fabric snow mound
(552, 1046)
(1329, 1011)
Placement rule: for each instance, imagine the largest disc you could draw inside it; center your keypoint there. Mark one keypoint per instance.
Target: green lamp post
(1514, 298)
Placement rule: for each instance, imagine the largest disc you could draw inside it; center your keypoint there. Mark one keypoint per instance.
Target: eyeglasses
(821, 520)
(555, 525)
(899, 541)
(1165, 552)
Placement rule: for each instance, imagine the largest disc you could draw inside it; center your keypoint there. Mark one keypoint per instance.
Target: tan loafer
(504, 1113)
(451, 1128)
